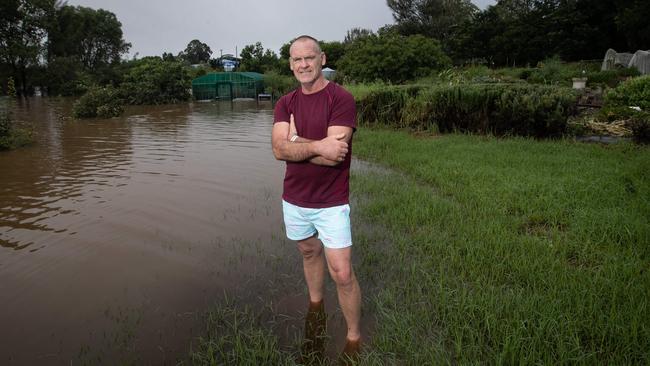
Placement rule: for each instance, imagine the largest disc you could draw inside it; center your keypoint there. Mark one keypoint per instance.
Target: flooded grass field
(117, 235)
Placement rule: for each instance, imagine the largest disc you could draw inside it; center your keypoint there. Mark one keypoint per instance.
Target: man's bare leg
(313, 263)
(339, 262)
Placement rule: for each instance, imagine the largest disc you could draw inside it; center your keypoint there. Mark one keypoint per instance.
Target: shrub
(11, 137)
(153, 81)
(632, 92)
(360, 91)
(385, 105)
(610, 78)
(552, 72)
(277, 84)
(98, 102)
(392, 58)
(501, 109)
(640, 125)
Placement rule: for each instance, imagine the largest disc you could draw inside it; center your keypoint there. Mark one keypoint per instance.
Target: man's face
(306, 61)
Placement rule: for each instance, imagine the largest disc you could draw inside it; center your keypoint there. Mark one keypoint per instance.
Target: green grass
(237, 336)
(507, 251)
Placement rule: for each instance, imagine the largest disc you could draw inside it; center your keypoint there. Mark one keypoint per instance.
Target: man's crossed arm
(329, 151)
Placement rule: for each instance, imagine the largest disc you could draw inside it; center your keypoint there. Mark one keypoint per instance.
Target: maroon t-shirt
(306, 184)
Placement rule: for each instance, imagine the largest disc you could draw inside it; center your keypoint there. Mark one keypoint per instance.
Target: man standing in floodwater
(312, 132)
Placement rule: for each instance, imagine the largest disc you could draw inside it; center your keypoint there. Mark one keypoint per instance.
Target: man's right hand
(333, 148)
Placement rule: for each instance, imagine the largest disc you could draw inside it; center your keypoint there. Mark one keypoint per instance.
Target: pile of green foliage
(500, 109)
(99, 102)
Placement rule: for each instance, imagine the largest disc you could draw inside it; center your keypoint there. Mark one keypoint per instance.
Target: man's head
(306, 59)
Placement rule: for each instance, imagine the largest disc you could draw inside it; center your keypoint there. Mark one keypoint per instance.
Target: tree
(333, 51)
(22, 33)
(168, 56)
(632, 21)
(93, 37)
(84, 47)
(197, 52)
(439, 19)
(520, 32)
(255, 58)
(150, 80)
(393, 58)
(355, 34)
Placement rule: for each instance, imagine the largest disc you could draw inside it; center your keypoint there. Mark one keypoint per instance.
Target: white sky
(154, 27)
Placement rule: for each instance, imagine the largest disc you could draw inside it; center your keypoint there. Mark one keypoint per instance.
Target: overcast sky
(154, 27)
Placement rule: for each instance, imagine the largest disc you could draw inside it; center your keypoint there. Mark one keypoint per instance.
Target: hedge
(499, 109)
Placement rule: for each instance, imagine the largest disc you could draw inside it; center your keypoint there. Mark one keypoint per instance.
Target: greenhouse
(228, 85)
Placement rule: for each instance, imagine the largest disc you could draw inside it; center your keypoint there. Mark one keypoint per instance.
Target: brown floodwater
(116, 235)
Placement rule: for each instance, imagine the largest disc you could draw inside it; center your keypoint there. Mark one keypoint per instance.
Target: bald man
(312, 132)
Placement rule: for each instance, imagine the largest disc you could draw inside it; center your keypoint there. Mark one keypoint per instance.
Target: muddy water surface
(117, 234)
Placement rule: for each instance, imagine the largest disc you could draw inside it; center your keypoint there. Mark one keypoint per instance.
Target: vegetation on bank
(11, 136)
(501, 109)
(526, 101)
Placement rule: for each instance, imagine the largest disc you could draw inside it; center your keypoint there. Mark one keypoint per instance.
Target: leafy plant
(10, 136)
(392, 58)
(153, 81)
(98, 102)
(632, 92)
(277, 84)
(640, 125)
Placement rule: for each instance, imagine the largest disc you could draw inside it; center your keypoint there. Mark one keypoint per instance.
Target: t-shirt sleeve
(344, 111)
(281, 111)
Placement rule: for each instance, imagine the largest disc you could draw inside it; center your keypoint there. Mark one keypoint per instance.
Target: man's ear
(323, 58)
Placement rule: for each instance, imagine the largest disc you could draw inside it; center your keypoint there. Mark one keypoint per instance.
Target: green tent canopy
(228, 85)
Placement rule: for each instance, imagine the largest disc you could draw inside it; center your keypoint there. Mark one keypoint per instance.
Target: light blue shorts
(332, 224)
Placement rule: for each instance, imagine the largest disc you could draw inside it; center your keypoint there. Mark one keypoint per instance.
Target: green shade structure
(228, 85)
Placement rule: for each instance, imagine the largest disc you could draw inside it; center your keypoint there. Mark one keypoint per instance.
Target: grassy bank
(506, 251)
(478, 250)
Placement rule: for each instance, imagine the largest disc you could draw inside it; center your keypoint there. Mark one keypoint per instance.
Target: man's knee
(310, 248)
(343, 276)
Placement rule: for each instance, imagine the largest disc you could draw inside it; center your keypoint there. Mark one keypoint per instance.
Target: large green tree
(255, 58)
(197, 52)
(633, 21)
(520, 32)
(439, 19)
(93, 37)
(84, 47)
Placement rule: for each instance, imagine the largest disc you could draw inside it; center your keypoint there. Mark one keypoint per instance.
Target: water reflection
(71, 164)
